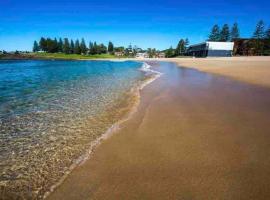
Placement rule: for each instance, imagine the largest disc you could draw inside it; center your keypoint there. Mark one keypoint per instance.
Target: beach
(253, 69)
(194, 135)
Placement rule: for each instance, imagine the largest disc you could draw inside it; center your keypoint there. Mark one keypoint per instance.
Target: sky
(145, 23)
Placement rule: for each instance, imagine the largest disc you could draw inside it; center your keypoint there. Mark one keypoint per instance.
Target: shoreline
(250, 69)
(253, 70)
(183, 141)
(111, 131)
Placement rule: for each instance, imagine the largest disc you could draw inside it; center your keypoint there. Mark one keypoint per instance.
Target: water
(50, 111)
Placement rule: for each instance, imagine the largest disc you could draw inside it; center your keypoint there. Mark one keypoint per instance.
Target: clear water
(50, 111)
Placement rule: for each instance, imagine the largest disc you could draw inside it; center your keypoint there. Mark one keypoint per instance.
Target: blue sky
(145, 23)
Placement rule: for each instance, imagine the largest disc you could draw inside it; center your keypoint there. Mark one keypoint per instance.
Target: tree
(77, 47)
(235, 34)
(110, 47)
(267, 33)
(215, 33)
(35, 46)
(83, 47)
(225, 33)
(186, 42)
(95, 48)
(51, 45)
(72, 47)
(101, 49)
(258, 35)
(91, 46)
(180, 49)
(60, 45)
(55, 44)
(169, 53)
(43, 44)
(66, 46)
(259, 31)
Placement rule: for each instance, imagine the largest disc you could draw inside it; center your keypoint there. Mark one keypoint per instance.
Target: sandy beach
(195, 135)
(255, 70)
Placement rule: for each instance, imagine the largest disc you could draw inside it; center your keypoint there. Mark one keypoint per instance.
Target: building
(142, 55)
(160, 55)
(211, 49)
(119, 53)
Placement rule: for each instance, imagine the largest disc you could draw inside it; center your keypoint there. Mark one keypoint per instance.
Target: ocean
(51, 112)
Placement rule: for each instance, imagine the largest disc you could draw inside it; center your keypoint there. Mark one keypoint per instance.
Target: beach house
(211, 49)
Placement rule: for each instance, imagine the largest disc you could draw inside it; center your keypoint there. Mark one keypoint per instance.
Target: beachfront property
(211, 49)
(142, 55)
(161, 55)
(119, 53)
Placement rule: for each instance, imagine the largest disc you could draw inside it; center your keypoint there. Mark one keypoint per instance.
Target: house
(142, 55)
(211, 49)
(119, 53)
(161, 55)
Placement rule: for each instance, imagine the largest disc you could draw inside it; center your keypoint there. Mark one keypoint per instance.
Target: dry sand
(195, 136)
(255, 70)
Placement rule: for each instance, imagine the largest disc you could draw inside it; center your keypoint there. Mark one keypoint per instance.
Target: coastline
(254, 70)
(249, 69)
(183, 141)
(135, 92)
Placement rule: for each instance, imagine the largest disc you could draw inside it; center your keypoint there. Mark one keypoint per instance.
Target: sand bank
(187, 140)
(255, 70)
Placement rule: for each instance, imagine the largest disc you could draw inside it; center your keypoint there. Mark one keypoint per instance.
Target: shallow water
(50, 111)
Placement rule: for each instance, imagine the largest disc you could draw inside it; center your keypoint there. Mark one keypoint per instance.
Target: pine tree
(77, 47)
(35, 46)
(169, 53)
(95, 48)
(66, 46)
(83, 47)
(55, 44)
(72, 47)
(180, 49)
(215, 34)
(43, 44)
(102, 49)
(235, 34)
(259, 31)
(258, 35)
(91, 46)
(110, 47)
(60, 45)
(267, 33)
(186, 43)
(225, 33)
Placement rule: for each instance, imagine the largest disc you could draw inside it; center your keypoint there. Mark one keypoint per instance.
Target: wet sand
(194, 136)
(255, 70)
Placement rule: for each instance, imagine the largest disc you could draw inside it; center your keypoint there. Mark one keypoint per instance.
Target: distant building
(160, 55)
(142, 55)
(119, 53)
(211, 49)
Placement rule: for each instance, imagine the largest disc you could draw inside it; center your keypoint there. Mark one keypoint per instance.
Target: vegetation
(69, 47)
(215, 34)
(235, 34)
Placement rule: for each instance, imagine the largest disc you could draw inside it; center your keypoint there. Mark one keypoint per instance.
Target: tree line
(180, 49)
(68, 46)
(226, 34)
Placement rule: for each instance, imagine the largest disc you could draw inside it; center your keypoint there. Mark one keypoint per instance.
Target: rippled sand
(195, 136)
